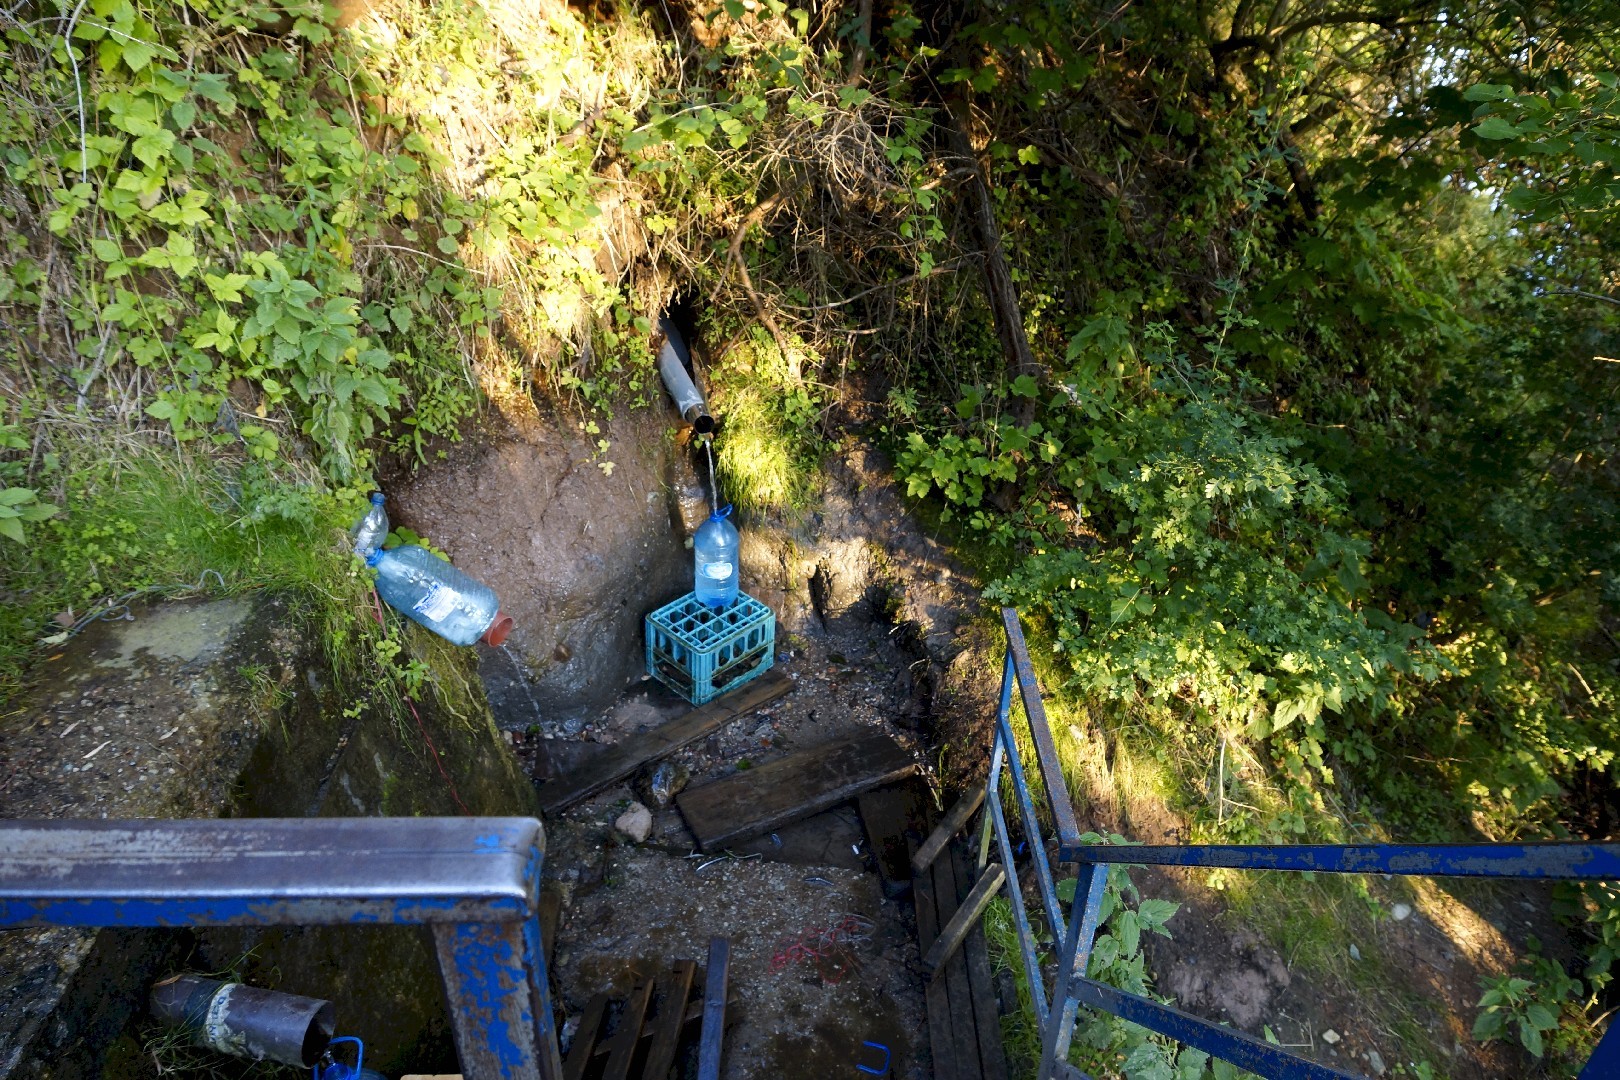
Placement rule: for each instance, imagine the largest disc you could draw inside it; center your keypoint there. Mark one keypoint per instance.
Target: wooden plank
(667, 1027)
(981, 984)
(628, 1037)
(964, 1028)
(714, 1008)
(948, 827)
(965, 918)
(620, 761)
(935, 997)
(757, 800)
(590, 1026)
(887, 814)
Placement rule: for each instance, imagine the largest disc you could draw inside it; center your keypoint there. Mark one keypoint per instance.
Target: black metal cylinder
(245, 1020)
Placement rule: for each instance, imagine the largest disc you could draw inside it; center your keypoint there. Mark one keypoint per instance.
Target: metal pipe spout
(246, 1021)
(674, 360)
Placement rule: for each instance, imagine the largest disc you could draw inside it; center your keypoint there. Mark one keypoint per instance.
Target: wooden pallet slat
(590, 1025)
(754, 801)
(626, 757)
(628, 1037)
(666, 1033)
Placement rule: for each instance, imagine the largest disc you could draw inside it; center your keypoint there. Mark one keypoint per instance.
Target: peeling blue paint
(475, 881)
(1568, 861)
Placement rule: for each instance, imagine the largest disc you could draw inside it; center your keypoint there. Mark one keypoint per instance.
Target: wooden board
(948, 827)
(620, 761)
(693, 1017)
(935, 997)
(981, 984)
(889, 815)
(757, 800)
(965, 918)
(964, 1028)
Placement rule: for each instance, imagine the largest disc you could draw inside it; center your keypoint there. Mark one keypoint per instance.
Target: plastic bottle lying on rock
(422, 586)
(714, 555)
(369, 533)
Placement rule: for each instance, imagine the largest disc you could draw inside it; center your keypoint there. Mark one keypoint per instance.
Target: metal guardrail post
(475, 881)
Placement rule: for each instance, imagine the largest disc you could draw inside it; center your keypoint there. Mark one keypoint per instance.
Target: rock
(1375, 1062)
(1401, 912)
(1355, 953)
(1330, 1036)
(636, 823)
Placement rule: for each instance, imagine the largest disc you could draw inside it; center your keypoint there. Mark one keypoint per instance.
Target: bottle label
(717, 571)
(439, 602)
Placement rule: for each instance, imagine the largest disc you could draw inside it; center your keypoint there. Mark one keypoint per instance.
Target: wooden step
(621, 760)
(753, 801)
(964, 1024)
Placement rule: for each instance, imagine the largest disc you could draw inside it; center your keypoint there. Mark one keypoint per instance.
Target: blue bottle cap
(721, 514)
(376, 498)
(374, 557)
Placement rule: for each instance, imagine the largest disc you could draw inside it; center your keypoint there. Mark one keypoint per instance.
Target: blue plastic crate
(701, 652)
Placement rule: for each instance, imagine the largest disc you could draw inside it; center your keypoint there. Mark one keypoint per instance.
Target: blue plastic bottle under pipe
(414, 581)
(714, 553)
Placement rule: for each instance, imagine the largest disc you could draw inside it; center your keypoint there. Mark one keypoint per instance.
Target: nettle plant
(222, 207)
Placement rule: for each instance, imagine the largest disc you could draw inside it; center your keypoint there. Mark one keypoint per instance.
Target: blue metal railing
(474, 881)
(1055, 1010)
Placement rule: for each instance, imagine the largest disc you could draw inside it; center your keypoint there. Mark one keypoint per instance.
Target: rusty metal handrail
(475, 881)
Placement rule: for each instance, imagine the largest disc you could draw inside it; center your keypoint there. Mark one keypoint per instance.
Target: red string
(449, 783)
(434, 750)
(830, 950)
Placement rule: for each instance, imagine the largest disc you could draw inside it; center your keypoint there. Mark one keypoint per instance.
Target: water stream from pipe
(714, 491)
(523, 681)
